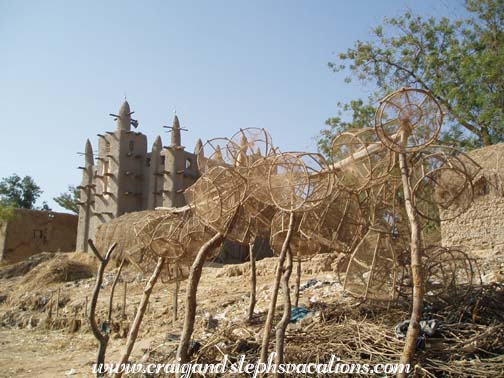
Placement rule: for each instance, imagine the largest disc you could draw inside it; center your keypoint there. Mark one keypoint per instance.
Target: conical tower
(155, 176)
(175, 169)
(124, 117)
(86, 199)
(241, 159)
(88, 153)
(217, 156)
(199, 152)
(198, 148)
(175, 133)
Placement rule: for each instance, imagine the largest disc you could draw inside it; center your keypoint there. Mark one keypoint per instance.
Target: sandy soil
(34, 351)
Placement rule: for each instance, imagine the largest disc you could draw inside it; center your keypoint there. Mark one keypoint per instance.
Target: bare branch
(101, 337)
(95, 251)
(112, 290)
(110, 250)
(140, 314)
(192, 287)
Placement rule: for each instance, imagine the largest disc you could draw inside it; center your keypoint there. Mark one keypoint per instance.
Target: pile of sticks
(468, 343)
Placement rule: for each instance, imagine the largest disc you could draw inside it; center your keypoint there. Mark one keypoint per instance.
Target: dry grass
(469, 342)
(60, 269)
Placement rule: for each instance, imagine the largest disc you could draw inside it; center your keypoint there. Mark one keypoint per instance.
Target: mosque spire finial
(175, 132)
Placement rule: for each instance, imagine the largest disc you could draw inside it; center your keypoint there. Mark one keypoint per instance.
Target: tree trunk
(132, 336)
(102, 338)
(284, 322)
(100, 358)
(298, 282)
(192, 287)
(416, 269)
(175, 295)
(485, 136)
(125, 292)
(112, 290)
(278, 275)
(253, 282)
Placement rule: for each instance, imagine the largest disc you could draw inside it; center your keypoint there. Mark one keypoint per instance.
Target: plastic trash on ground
(298, 313)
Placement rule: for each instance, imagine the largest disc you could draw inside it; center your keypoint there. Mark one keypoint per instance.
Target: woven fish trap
(145, 262)
(299, 181)
(301, 247)
(216, 196)
(383, 207)
(121, 231)
(408, 120)
(252, 220)
(359, 159)
(385, 204)
(371, 271)
(457, 158)
(257, 179)
(337, 224)
(449, 273)
(242, 230)
(443, 187)
(159, 232)
(192, 236)
(221, 152)
(260, 213)
(249, 145)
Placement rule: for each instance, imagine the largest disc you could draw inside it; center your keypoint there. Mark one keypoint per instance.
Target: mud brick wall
(481, 228)
(31, 232)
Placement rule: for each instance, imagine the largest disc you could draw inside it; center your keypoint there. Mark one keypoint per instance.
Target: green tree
(69, 200)
(6, 211)
(19, 192)
(460, 61)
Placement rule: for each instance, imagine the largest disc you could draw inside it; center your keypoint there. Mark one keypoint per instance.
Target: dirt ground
(39, 339)
(30, 345)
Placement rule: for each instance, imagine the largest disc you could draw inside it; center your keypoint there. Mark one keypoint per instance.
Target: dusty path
(41, 353)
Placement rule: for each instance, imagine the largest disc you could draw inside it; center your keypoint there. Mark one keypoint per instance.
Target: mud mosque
(125, 176)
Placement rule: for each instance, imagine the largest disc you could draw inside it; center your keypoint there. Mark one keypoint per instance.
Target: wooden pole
(175, 295)
(49, 312)
(192, 287)
(74, 327)
(133, 333)
(284, 322)
(124, 300)
(415, 252)
(298, 281)
(102, 338)
(253, 282)
(57, 302)
(416, 269)
(268, 325)
(112, 290)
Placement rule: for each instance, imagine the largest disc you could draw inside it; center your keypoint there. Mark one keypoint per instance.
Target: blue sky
(64, 66)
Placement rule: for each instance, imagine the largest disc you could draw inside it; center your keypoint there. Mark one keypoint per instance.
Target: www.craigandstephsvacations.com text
(241, 366)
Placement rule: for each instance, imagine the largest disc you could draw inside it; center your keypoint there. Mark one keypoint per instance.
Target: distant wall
(481, 227)
(32, 232)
